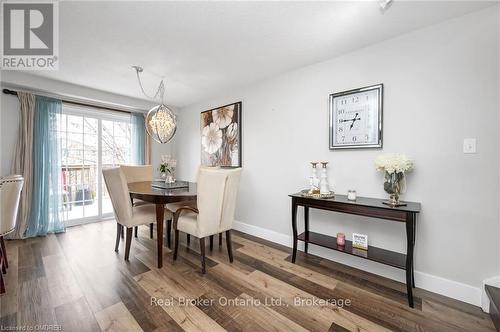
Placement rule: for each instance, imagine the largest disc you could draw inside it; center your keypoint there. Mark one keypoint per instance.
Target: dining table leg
(160, 214)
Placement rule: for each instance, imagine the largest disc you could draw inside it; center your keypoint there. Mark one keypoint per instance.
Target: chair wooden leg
(220, 239)
(119, 232)
(188, 239)
(151, 230)
(176, 243)
(128, 241)
(136, 228)
(202, 252)
(4, 250)
(169, 233)
(2, 285)
(122, 234)
(211, 242)
(2, 262)
(2, 265)
(229, 247)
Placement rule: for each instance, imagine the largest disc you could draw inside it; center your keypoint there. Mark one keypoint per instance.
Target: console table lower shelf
(363, 206)
(387, 257)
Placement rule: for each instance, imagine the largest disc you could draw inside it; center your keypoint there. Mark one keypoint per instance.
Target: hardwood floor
(77, 281)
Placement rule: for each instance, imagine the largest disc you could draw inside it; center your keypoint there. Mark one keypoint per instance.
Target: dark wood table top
(364, 201)
(144, 191)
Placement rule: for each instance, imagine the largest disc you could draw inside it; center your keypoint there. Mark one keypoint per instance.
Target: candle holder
(340, 239)
(324, 186)
(318, 188)
(313, 180)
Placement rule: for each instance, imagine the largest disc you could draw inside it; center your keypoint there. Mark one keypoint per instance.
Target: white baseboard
(435, 284)
(450, 288)
(263, 233)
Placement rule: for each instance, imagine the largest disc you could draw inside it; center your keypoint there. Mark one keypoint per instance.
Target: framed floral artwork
(221, 136)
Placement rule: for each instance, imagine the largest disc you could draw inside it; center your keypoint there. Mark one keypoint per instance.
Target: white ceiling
(206, 48)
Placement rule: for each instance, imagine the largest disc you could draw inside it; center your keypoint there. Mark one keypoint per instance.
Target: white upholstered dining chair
(217, 190)
(138, 173)
(10, 193)
(126, 215)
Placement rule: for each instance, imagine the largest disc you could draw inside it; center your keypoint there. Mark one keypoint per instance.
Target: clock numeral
(354, 138)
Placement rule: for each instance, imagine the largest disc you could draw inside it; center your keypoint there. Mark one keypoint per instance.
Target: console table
(368, 207)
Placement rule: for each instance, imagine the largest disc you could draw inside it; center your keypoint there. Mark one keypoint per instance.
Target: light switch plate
(469, 145)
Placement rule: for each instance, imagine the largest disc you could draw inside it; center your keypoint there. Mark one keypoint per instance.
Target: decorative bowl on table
(308, 193)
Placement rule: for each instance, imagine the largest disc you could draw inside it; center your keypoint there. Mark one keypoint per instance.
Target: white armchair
(138, 173)
(126, 214)
(216, 202)
(10, 193)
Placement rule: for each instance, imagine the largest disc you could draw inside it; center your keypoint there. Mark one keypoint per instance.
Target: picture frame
(356, 118)
(221, 136)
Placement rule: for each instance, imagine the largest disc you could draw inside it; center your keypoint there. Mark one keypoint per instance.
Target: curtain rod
(73, 102)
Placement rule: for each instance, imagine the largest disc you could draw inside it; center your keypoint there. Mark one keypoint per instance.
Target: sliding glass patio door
(90, 141)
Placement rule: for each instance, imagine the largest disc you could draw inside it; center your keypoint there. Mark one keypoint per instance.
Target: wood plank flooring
(76, 281)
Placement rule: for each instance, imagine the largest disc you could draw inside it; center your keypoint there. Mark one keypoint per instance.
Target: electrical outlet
(469, 145)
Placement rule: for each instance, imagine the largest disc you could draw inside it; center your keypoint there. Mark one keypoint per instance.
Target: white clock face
(355, 119)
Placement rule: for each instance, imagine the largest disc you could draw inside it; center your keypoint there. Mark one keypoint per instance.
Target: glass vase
(394, 185)
(169, 178)
(171, 173)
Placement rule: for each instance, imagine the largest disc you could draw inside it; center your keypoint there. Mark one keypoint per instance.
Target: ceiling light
(161, 123)
(384, 4)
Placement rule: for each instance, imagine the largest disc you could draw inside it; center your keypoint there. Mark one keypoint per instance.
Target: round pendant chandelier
(160, 122)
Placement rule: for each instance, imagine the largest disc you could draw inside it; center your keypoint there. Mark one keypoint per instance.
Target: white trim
(435, 284)
(88, 112)
(454, 289)
(263, 233)
(93, 112)
(89, 220)
(100, 193)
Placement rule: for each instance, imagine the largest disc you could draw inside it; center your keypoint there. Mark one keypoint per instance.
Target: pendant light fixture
(384, 4)
(160, 122)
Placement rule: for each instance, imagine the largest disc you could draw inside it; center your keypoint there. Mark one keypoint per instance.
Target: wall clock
(356, 118)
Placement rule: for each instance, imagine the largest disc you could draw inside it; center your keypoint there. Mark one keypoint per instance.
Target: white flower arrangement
(167, 164)
(393, 163)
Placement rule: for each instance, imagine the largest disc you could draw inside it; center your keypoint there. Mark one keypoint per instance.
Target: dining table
(147, 192)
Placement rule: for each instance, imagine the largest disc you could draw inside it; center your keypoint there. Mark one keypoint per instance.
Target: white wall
(9, 110)
(441, 86)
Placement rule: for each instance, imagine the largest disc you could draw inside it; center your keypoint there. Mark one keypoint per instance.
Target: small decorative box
(360, 241)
